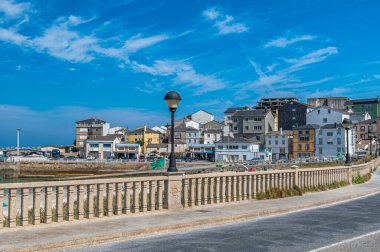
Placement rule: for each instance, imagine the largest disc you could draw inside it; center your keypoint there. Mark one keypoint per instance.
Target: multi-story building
(365, 129)
(326, 115)
(89, 128)
(292, 114)
(304, 141)
(127, 150)
(202, 117)
(331, 102)
(252, 123)
(192, 135)
(280, 144)
(229, 112)
(237, 149)
(202, 151)
(372, 106)
(100, 147)
(331, 142)
(210, 136)
(359, 116)
(274, 104)
(144, 136)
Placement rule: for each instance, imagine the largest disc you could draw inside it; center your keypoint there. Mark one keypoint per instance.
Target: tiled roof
(371, 100)
(103, 138)
(160, 145)
(369, 121)
(235, 140)
(91, 120)
(277, 133)
(233, 110)
(307, 126)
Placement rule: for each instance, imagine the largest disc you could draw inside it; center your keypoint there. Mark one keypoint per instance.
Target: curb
(117, 236)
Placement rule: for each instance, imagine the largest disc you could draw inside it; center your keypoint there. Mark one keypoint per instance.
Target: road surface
(351, 226)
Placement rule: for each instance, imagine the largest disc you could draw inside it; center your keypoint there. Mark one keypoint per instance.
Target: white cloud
(284, 41)
(12, 9)
(183, 73)
(138, 42)
(311, 58)
(224, 23)
(10, 36)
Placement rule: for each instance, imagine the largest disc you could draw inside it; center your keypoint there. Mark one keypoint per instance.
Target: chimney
(280, 131)
(144, 128)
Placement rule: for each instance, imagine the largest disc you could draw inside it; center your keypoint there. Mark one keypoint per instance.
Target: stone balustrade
(67, 201)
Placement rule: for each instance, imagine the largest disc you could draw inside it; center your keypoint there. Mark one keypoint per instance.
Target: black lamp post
(172, 99)
(347, 124)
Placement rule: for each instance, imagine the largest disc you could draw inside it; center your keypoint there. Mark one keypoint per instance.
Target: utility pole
(18, 142)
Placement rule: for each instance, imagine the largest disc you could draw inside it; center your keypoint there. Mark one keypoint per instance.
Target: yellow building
(304, 141)
(144, 136)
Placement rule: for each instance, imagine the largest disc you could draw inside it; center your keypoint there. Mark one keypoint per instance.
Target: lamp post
(347, 124)
(172, 99)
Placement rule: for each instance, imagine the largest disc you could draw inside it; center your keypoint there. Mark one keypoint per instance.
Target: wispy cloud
(138, 42)
(225, 23)
(183, 74)
(11, 36)
(12, 9)
(285, 41)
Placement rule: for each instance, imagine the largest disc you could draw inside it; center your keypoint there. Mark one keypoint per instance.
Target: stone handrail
(58, 201)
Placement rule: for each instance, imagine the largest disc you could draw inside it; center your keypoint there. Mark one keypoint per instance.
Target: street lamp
(347, 124)
(172, 99)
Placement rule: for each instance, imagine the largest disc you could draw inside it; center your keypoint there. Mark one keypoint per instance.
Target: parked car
(188, 159)
(151, 159)
(91, 158)
(179, 159)
(70, 158)
(141, 158)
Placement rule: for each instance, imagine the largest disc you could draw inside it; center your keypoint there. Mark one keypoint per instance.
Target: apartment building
(252, 124)
(90, 128)
(144, 136)
(100, 147)
(331, 102)
(237, 149)
(304, 141)
(280, 144)
(326, 115)
(292, 114)
(372, 106)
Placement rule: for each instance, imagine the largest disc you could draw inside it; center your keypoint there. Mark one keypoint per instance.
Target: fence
(47, 202)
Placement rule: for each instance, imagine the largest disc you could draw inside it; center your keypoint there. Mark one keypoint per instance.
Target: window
(257, 119)
(330, 134)
(195, 134)
(293, 109)
(235, 128)
(94, 145)
(257, 127)
(258, 138)
(300, 132)
(339, 131)
(270, 142)
(208, 135)
(369, 128)
(320, 132)
(229, 118)
(299, 147)
(246, 127)
(319, 111)
(339, 150)
(283, 141)
(107, 145)
(362, 128)
(246, 119)
(276, 142)
(235, 119)
(320, 151)
(339, 141)
(320, 141)
(244, 147)
(329, 111)
(330, 142)
(220, 147)
(83, 130)
(293, 118)
(304, 138)
(325, 120)
(307, 147)
(307, 132)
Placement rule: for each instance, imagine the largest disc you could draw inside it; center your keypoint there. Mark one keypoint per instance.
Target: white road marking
(346, 241)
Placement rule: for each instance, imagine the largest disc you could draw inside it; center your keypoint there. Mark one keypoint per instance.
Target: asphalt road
(351, 226)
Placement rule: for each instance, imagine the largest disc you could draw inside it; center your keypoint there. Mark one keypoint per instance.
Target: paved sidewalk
(55, 237)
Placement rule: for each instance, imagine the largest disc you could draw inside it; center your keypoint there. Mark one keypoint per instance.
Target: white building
(127, 150)
(331, 142)
(101, 147)
(211, 136)
(359, 116)
(202, 117)
(238, 149)
(325, 115)
(280, 144)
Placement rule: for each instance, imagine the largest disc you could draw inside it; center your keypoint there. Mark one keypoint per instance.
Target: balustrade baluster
(80, 203)
(119, 207)
(228, 189)
(90, 201)
(223, 189)
(127, 197)
(199, 191)
(36, 205)
(144, 194)
(59, 203)
(48, 213)
(100, 204)
(136, 195)
(12, 208)
(152, 200)
(212, 190)
(24, 207)
(217, 189)
(1, 208)
(160, 194)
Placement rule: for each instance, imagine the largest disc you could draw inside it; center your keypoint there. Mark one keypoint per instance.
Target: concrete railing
(67, 201)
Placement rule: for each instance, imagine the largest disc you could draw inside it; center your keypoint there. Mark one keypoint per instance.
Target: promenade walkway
(55, 236)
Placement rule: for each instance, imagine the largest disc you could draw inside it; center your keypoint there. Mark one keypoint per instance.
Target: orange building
(304, 141)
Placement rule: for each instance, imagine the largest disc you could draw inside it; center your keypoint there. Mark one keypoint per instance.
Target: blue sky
(63, 61)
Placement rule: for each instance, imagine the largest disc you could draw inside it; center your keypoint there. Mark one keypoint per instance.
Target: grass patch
(358, 179)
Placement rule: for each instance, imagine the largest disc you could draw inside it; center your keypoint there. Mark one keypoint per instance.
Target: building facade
(280, 144)
(202, 152)
(331, 142)
(372, 106)
(304, 141)
(202, 117)
(325, 115)
(192, 136)
(359, 116)
(292, 114)
(252, 124)
(144, 136)
(365, 129)
(101, 147)
(89, 128)
(331, 102)
(127, 150)
(236, 149)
